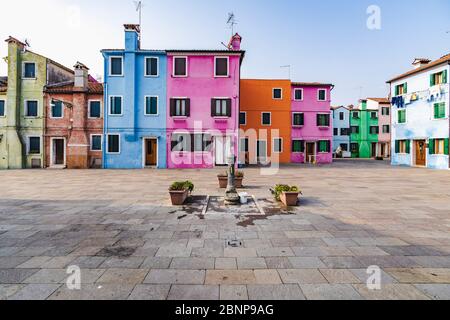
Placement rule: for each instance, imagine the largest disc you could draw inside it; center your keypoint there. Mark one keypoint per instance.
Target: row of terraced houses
(191, 109)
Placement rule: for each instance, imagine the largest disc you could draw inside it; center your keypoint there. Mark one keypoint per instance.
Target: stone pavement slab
(233, 293)
(156, 276)
(275, 292)
(330, 292)
(194, 292)
(150, 292)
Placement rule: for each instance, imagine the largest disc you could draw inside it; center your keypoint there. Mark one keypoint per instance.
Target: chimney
(132, 37)
(81, 76)
(420, 62)
(235, 42)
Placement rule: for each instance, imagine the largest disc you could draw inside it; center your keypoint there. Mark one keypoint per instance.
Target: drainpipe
(105, 122)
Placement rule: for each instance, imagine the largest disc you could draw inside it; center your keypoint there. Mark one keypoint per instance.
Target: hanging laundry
(408, 99)
(399, 102)
(414, 97)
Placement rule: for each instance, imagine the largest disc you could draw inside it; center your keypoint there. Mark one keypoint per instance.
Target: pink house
(312, 128)
(203, 102)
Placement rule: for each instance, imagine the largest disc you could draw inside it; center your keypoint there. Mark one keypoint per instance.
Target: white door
(223, 150)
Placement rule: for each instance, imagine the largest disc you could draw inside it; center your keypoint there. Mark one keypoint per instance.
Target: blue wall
(133, 125)
(339, 124)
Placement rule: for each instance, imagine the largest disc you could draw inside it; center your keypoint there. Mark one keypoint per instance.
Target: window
(401, 116)
(185, 142)
(181, 142)
(95, 109)
(277, 145)
(31, 108)
(438, 78)
(354, 147)
(341, 116)
(439, 110)
(323, 120)
(355, 115)
(180, 107)
(266, 118)
(374, 130)
(298, 146)
(115, 106)
(244, 145)
(438, 146)
(354, 129)
(344, 147)
(202, 142)
(385, 111)
(29, 70)
(96, 142)
(373, 115)
(151, 105)
(335, 132)
(220, 107)
(151, 67)
(324, 146)
(386, 129)
(322, 95)
(401, 89)
(34, 145)
(180, 66)
(116, 66)
(113, 143)
(298, 119)
(298, 94)
(56, 109)
(243, 118)
(345, 131)
(221, 66)
(277, 94)
(2, 108)
(402, 146)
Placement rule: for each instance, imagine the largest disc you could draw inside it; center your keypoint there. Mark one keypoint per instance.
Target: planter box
(178, 197)
(289, 199)
(223, 182)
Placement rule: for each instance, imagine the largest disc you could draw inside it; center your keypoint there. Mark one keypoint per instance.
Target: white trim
(298, 125)
(256, 151)
(26, 108)
(228, 66)
(173, 66)
(144, 151)
(298, 89)
(273, 93)
(28, 145)
(4, 110)
(245, 113)
(281, 145)
(89, 109)
(318, 95)
(145, 67)
(101, 142)
(145, 106)
(110, 66)
(35, 70)
(107, 143)
(262, 119)
(109, 106)
(52, 159)
(51, 110)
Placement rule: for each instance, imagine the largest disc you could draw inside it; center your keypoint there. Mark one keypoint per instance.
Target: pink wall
(201, 86)
(382, 121)
(310, 107)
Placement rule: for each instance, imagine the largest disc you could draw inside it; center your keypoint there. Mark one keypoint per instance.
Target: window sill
(179, 118)
(221, 119)
(150, 76)
(29, 78)
(227, 76)
(323, 127)
(115, 115)
(297, 126)
(152, 115)
(116, 75)
(174, 76)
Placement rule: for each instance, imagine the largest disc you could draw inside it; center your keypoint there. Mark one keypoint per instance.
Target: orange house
(265, 121)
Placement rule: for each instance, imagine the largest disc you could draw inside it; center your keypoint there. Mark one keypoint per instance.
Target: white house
(420, 115)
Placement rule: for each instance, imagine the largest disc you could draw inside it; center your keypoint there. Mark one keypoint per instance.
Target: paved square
(118, 227)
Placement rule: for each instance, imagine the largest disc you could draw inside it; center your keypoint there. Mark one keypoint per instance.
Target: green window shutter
(431, 146)
(396, 90)
(432, 83)
(442, 110)
(445, 76)
(408, 146)
(397, 146)
(436, 110)
(405, 88)
(446, 146)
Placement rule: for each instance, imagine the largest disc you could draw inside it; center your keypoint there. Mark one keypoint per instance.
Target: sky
(322, 40)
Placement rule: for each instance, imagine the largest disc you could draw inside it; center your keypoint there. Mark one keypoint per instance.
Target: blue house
(341, 125)
(135, 105)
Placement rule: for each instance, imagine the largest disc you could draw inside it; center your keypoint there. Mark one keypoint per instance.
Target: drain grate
(234, 243)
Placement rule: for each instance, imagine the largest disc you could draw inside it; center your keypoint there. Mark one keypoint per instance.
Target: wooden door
(310, 152)
(420, 153)
(151, 152)
(58, 151)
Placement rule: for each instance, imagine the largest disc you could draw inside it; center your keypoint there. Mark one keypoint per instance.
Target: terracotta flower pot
(178, 197)
(223, 181)
(289, 199)
(239, 182)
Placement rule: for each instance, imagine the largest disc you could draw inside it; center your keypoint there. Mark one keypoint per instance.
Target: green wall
(364, 138)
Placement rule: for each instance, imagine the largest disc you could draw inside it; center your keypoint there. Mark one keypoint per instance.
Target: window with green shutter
(408, 146)
(438, 78)
(431, 146)
(439, 110)
(401, 89)
(324, 146)
(446, 151)
(401, 116)
(298, 146)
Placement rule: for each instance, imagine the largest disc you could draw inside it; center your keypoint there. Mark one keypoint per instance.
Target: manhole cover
(234, 243)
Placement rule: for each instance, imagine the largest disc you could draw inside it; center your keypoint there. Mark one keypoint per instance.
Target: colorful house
(383, 146)
(22, 130)
(312, 128)
(3, 150)
(420, 115)
(135, 105)
(341, 129)
(265, 121)
(74, 122)
(364, 129)
(203, 105)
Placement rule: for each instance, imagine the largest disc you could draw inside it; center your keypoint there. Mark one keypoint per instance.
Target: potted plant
(287, 194)
(179, 192)
(223, 179)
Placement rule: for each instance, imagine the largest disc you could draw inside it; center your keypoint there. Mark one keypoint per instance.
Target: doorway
(222, 146)
(310, 155)
(374, 150)
(261, 152)
(150, 152)
(421, 156)
(58, 152)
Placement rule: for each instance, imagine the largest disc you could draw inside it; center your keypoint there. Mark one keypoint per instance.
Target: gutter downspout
(105, 113)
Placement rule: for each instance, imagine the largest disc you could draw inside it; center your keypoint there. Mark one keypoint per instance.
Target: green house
(364, 128)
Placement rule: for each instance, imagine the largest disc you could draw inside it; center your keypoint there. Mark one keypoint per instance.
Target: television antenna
(289, 69)
(231, 22)
(27, 42)
(139, 5)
